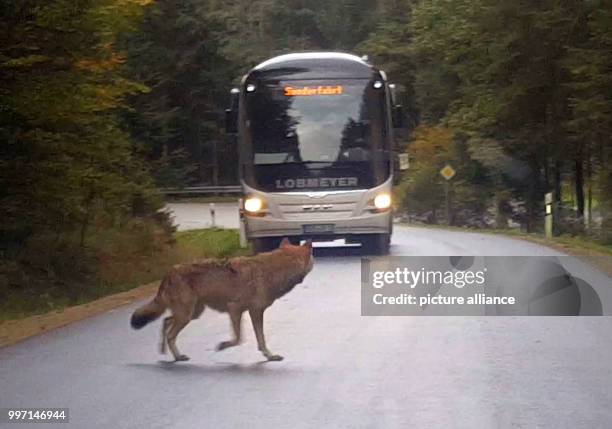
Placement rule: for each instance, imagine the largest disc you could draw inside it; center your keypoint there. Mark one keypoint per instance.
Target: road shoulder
(14, 331)
(591, 253)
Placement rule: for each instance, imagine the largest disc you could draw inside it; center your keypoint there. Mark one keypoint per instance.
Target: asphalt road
(340, 369)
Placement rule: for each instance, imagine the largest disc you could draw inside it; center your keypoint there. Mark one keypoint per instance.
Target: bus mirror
(231, 121)
(398, 116)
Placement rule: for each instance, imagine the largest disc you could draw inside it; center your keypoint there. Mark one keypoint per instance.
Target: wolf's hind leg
(166, 324)
(177, 326)
(257, 319)
(235, 313)
(198, 310)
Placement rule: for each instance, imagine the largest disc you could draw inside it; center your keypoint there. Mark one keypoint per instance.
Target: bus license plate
(323, 228)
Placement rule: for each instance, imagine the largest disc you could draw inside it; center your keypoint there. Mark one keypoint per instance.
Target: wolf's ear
(285, 242)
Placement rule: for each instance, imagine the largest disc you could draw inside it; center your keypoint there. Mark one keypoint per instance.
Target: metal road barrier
(232, 189)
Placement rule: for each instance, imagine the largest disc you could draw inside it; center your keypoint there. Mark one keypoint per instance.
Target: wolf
(235, 285)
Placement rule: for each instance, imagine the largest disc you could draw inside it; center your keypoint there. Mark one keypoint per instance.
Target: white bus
(315, 137)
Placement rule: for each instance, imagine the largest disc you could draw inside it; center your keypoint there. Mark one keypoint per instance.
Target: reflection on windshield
(321, 123)
(324, 126)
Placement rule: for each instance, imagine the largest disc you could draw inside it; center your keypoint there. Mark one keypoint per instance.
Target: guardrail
(206, 190)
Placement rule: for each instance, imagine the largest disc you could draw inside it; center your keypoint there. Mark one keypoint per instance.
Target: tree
(389, 47)
(501, 77)
(423, 193)
(68, 168)
(590, 66)
(175, 54)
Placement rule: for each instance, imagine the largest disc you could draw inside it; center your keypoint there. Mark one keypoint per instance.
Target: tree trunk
(557, 182)
(579, 183)
(589, 175)
(533, 199)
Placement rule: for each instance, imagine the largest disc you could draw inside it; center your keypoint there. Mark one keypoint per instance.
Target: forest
(103, 102)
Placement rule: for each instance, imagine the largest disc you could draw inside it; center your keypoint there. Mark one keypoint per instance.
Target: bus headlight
(253, 204)
(382, 201)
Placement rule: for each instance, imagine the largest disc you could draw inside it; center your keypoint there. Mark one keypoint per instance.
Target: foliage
(531, 80)
(69, 169)
(176, 122)
(423, 192)
(126, 259)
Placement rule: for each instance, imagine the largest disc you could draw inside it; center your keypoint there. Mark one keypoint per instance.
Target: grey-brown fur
(234, 286)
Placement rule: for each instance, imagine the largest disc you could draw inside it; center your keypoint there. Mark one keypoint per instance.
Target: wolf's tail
(151, 311)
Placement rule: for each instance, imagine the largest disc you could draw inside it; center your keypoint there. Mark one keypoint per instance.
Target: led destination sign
(291, 91)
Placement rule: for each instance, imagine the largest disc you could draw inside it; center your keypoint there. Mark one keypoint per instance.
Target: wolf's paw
(181, 358)
(274, 358)
(225, 344)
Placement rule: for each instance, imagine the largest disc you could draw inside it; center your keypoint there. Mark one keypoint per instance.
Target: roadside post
(213, 222)
(404, 161)
(548, 215)
(448, 172)
(241, 224)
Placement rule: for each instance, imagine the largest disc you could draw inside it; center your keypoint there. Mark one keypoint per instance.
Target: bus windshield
(318, 128)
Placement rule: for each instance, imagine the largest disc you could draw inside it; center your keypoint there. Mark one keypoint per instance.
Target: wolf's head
(304, 252)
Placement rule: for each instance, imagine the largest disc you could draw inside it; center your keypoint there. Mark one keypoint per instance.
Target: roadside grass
(572, 245)
(206, 243)
(119, 268)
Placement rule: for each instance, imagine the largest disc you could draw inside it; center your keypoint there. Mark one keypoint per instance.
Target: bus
(316, 150)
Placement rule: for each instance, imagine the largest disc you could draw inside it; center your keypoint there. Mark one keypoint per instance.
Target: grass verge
(576, 246)
(594, 254)
(120, 281)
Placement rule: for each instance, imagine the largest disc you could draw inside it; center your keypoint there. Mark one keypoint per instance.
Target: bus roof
(309, 56)
(314, 65)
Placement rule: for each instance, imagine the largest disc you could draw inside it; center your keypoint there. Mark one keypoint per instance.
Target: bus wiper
(308, 162)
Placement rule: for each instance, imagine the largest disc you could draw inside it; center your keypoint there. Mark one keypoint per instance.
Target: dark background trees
(102, 101)
(510, 80)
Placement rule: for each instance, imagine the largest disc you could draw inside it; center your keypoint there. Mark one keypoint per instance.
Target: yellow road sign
(448, 172)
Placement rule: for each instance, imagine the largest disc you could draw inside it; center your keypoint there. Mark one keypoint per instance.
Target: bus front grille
(317, 211)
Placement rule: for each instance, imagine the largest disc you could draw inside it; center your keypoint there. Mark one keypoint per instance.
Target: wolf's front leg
(257, 320)
(235, 313)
